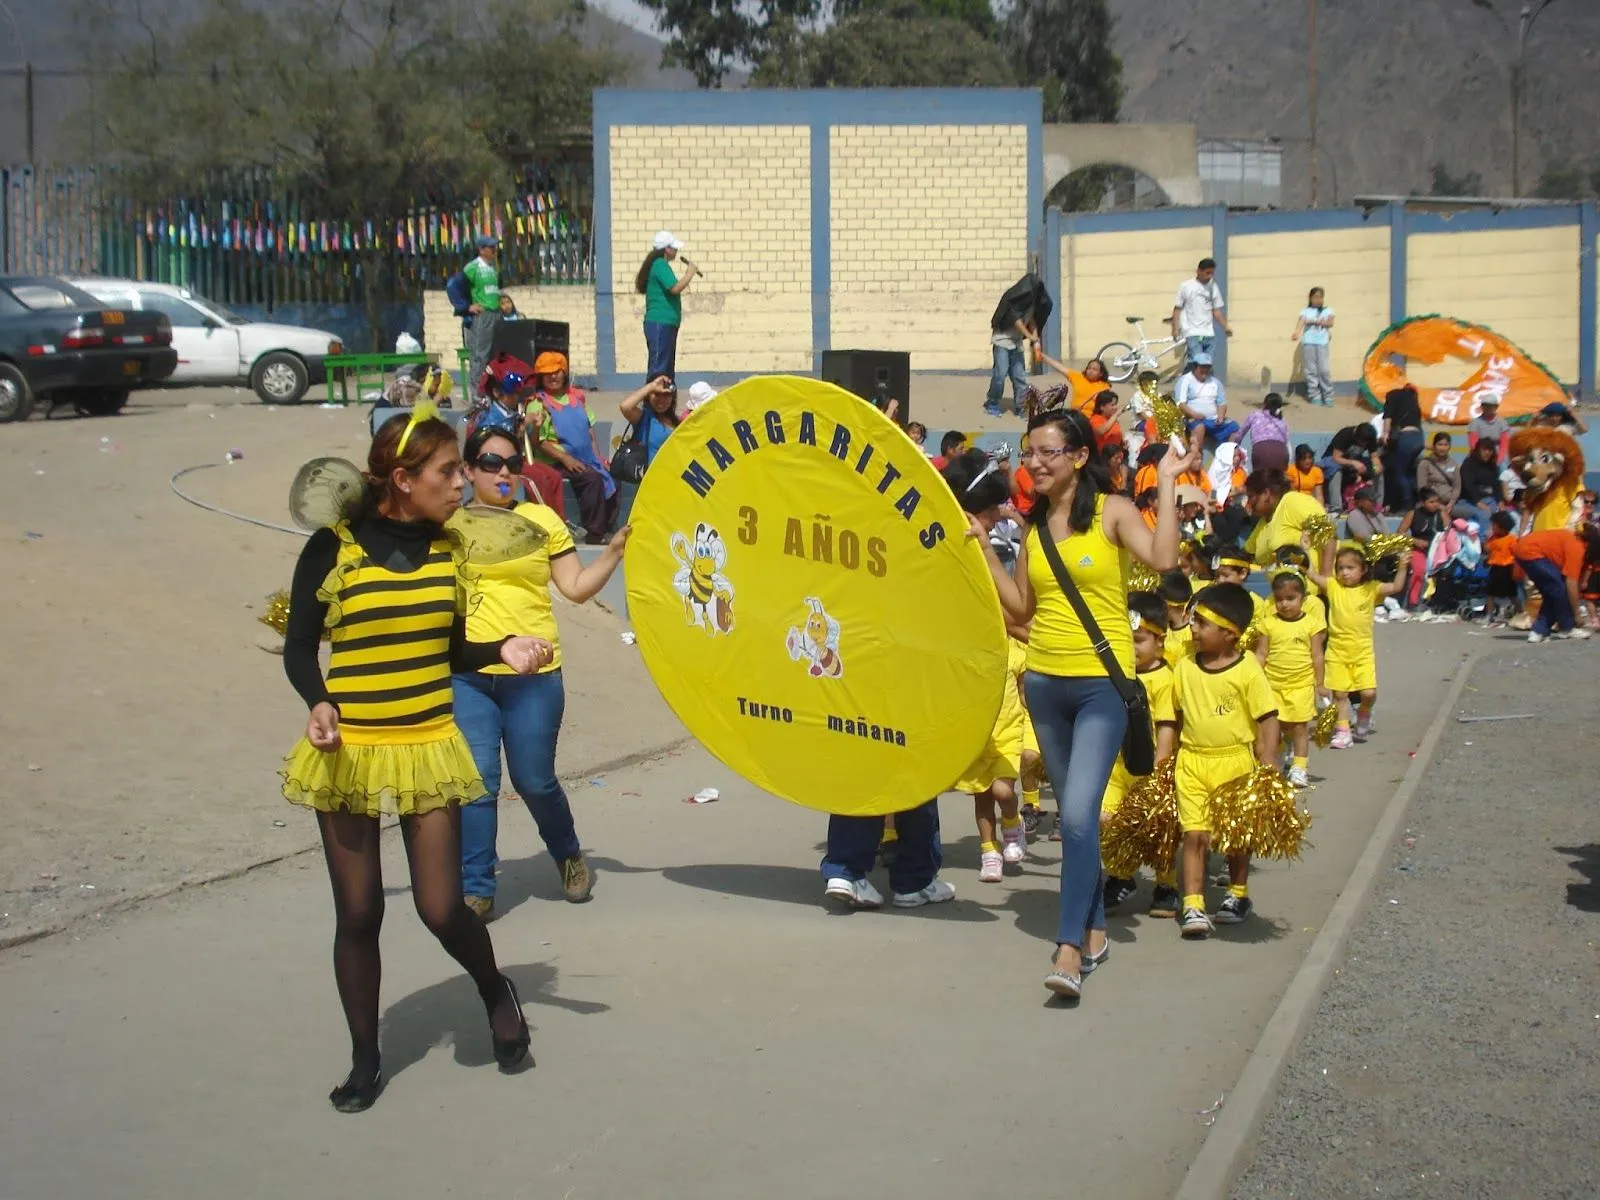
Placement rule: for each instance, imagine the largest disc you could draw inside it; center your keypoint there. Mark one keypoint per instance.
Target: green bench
(366, 371)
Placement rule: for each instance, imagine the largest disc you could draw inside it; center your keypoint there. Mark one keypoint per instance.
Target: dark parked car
(61, 345)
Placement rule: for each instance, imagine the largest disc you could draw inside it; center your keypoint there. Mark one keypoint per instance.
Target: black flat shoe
(357, 1093)
(512, 1053)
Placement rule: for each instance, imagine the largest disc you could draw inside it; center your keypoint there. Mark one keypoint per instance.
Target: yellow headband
(1216, 618)
(422, 410)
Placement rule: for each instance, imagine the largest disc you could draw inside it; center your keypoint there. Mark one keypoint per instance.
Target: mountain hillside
(1404, 84)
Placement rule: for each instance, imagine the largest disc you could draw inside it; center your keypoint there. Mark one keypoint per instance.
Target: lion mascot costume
(1550, 465)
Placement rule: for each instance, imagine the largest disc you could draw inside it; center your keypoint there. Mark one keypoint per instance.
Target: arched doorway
(1106, 187)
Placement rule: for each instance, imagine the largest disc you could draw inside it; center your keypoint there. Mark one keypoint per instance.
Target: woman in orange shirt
(1086, 384)
(1305, 476)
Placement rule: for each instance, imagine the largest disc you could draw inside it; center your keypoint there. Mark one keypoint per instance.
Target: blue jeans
(1013, 363)
(1556, 611)
(914, 862)
(1400, 470)
(523, 712)
(1195, 344)
(661, 342)
(1080, 722)
(1217, 431)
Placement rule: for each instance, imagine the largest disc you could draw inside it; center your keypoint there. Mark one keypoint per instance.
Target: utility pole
(1525, 19)
(27, 105)
(1311, 78)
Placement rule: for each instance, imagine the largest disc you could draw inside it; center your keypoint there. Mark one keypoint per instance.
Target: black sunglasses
(493, 462)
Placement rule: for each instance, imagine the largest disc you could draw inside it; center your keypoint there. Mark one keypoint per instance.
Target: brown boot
(577, 880)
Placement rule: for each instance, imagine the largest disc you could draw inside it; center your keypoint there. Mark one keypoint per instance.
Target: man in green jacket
(483, 319)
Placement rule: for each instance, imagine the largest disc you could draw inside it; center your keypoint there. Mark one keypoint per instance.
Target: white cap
(701, 393)
(665, 241)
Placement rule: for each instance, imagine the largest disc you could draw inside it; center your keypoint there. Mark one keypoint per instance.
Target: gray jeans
(1318, 364)
(479, 337)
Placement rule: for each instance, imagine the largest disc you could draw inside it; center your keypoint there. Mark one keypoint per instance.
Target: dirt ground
(1455, 1053)
(146, 709)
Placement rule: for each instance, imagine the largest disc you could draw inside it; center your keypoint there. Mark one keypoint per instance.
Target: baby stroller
(1458, 574)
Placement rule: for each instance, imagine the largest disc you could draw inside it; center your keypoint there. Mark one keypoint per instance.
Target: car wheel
(99, 404)
(16, 398)
(280, 378)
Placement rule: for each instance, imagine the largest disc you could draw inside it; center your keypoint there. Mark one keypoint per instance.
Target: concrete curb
(9, 941)
(1230, 1146)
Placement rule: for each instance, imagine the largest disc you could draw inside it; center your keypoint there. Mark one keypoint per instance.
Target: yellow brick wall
(572, 304)
(739, 197)
(929, 226)
(1107, 277)
(1522, 283)
(1268, 277)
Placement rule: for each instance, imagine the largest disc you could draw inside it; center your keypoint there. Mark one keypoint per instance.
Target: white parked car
(215, 346)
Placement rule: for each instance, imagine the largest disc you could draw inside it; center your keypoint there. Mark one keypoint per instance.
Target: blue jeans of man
(661, 344)
(913, 864)
(1012, 364)
(1080, 722)
(1556, 611)
(523, 712)
(1194, 344)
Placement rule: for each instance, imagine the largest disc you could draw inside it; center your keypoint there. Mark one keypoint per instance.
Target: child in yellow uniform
(1032, 764)
(1148, 614)
(1352, 668)
(1291, 647)
(991, 781)
(1177, 592)
(1232, 565)
(1228, 721)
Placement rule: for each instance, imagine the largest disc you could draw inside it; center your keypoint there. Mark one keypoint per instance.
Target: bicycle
(1123, 360)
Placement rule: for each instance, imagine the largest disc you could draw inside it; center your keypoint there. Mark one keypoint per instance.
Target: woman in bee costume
(495, 704)
(380, 579)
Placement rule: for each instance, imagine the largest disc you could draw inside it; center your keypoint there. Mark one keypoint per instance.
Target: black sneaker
(1233, 910)
(1118, 890)
(1030, 820)
(1165, 902)
(1195, 924)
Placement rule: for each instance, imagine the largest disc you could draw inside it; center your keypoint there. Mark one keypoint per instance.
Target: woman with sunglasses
(1078, 713)
(495, 707)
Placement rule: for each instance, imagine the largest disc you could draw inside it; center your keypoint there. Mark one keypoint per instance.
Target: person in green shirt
(662, 290)
(483, 319)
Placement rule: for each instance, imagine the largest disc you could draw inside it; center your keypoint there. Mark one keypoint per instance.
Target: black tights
(433, 850)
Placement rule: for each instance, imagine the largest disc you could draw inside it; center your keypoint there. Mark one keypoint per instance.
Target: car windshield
(232, 318)
(41, 294)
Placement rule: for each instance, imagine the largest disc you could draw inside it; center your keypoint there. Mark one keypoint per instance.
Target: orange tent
(1522, 385)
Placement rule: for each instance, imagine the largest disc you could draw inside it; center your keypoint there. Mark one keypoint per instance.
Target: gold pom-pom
(276, 614)
(1142, 578)
(1144, 829)
(1257, 814)
(1252, 633)
(1319, 531)
(1169, 418)
(1322, 729)
(1383, 545)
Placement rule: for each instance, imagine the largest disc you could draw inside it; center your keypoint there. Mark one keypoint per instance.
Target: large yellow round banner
(806, 598)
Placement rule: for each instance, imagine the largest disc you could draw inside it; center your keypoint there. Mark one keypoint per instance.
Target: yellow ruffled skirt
(385, 780)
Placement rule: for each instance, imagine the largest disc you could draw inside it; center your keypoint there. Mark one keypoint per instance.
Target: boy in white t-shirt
(1198, 310)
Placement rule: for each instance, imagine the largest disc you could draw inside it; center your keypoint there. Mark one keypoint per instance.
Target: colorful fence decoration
(246, 239)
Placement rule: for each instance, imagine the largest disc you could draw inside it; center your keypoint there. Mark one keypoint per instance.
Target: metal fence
(247, 239)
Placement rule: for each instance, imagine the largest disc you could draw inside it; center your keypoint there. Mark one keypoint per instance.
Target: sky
(628, 11)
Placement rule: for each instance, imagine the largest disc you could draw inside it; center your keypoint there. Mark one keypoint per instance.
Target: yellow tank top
(1057, 644)
(389, 659)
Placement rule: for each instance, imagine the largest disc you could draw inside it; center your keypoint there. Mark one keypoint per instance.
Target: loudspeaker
(527, 339)
(877, 376)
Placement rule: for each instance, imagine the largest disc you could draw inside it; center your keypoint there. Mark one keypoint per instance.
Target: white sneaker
(1578, 635)
(1298, 777)
(1535, 638)
(936, 892)
(853, 893)
(1015, 844)
(991, 868)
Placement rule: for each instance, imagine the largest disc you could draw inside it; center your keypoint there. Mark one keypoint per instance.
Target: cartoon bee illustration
(707, 594)
(817, 642)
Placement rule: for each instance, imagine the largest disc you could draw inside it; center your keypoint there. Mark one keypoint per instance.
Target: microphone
(697, 270)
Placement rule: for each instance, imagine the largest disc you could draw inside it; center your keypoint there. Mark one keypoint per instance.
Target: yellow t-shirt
(1057, 644)
(1220, 708)
(1179, 646)
(514, 597)
(1289, 662)
(1158, 686)
(1350, 612)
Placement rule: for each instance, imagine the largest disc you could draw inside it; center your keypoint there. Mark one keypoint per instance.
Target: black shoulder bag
(1139, 742)
(628, 462)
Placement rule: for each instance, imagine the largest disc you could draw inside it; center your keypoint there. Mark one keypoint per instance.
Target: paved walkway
(704, 1028)
(1457, 1053)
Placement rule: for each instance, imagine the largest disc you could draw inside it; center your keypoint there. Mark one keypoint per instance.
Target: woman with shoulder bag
(1070, 582)
(652, 415)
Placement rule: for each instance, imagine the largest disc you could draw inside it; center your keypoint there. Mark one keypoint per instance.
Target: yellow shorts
(1345, 675)
(1198, 773)
(1297, 703)
(1116, 789)
(1001, 758)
